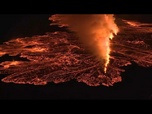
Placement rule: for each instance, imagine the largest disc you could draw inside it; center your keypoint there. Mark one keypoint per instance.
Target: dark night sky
(136, 80)
(21, 25)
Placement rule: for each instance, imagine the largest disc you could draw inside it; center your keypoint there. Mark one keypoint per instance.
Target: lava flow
(62, 56)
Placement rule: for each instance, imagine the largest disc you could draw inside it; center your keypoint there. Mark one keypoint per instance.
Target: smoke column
(94, 30)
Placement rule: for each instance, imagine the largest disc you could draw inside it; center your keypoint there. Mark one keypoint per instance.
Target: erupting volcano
(93, 49)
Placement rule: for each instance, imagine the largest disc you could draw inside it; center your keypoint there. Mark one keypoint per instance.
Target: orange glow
(2, 53)
(132, 23)
(8, 64)
(60, 57)
(37, 49)
(107, 55)
(113, 31)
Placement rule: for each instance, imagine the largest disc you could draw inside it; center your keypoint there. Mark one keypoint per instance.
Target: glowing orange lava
(58, 57)
(8, 64)
(114, 31)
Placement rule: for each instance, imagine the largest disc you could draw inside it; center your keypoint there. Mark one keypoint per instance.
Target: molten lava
(60, 56)
(8, 64)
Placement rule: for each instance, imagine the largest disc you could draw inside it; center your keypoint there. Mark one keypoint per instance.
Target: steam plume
(94, 30)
